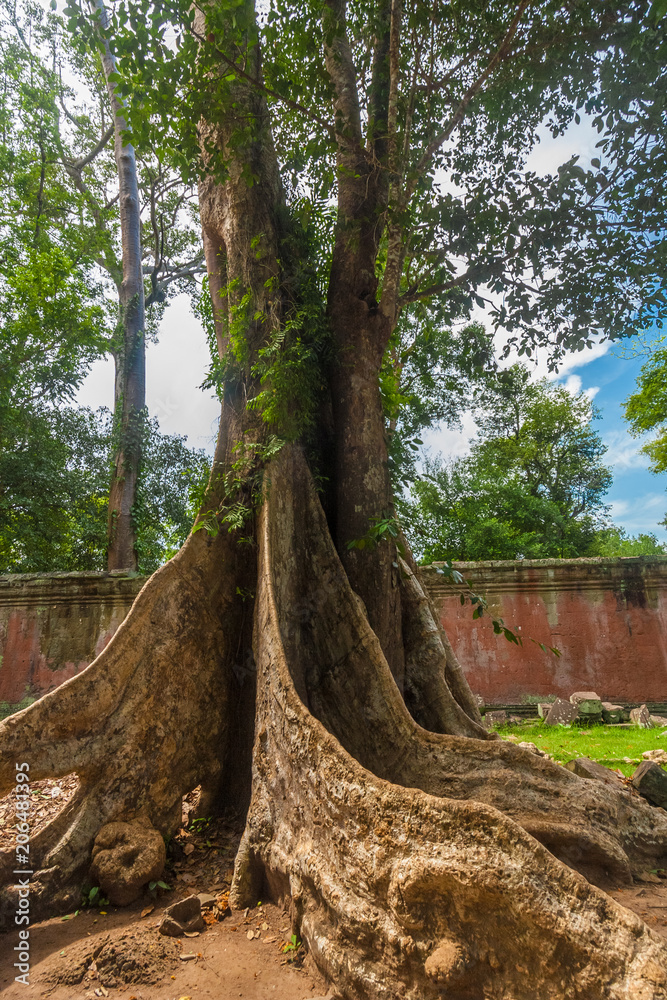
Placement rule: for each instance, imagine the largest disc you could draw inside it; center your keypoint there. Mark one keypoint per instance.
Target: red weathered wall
(608, 617)
(52, 626)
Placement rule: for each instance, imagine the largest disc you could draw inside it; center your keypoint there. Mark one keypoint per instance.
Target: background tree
(60, 119)
(646, 409)
(533, 484)
(54, 493)
(378, 805)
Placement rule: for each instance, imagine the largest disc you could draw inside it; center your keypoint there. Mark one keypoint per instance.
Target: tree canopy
(532, 486)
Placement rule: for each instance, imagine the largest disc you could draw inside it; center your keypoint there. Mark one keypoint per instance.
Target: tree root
(341, 676)
(398, 892)
(142, 725)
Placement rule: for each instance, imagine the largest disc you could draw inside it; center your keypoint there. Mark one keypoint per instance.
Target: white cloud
(641, 515)
(451, 442)
(175, 368)
(623, 451)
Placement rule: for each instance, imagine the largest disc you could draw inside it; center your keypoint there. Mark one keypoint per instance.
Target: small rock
(562, 713)
(648, 877)
(664, 734)
(641, 717)
(206, 900)
(170, 927)
(188, 957)
(651, 781)
(658, 755)
(532, 748)
(658, 720)
(612, 714)
(186, 914)
(588, 703)
(250, 935)
(584, 767)
(125, 857)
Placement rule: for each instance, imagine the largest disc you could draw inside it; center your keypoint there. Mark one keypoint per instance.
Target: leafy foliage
(532, 485)
(646, 409)
(54, 492)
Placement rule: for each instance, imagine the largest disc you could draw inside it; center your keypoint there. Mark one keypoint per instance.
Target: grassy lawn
(606, 744)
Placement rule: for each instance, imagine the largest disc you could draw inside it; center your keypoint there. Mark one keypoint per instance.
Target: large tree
(418, 855)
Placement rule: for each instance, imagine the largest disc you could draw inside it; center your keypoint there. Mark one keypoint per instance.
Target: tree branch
(85, 160)
(501, 53)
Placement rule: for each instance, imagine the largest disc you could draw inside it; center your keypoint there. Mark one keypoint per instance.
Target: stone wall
(52, 626)
(608, 617)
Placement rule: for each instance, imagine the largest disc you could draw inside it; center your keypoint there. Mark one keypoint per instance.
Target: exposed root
(145, 723)
(395, 891)
(340, 674)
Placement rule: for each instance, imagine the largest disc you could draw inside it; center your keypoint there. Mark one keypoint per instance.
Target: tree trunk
(418, 857)
(130, 354)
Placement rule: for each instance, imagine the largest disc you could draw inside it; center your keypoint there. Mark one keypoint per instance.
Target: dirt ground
(105, 951)
(117, 952)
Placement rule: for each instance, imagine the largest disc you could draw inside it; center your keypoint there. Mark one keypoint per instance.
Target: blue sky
(637, 496)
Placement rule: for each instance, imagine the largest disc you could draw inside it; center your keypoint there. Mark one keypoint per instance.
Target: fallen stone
(588, 703)
(651, 781)
(206, 900)
(658, 755)
(562, 713)
(170, 927)
(641, 717)
(125, 857)
(532, 748)
(543, 708)
(587, 768)
(612, 714)
(495, 718)
(658, 720)
(187, 913)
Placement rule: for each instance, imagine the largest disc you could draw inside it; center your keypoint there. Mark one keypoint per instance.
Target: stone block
(658, 721)
(495, 718)
(612, 714)
(543, 708)
(587, 768)
(651, 781)
(562, 713)
(185, 915)
(588, 702)
(641, 717)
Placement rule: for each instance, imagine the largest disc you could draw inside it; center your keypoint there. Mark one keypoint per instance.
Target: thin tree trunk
(130, 354)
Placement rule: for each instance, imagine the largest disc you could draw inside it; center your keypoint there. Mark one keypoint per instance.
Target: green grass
(7, 709)
(606, 744)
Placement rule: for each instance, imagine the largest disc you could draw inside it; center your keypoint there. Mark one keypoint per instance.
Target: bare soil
(119, 952)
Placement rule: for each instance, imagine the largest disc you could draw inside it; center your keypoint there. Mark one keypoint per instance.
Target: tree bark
(130, 353)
